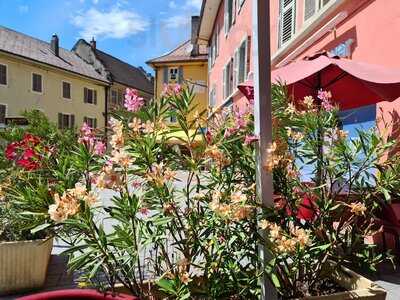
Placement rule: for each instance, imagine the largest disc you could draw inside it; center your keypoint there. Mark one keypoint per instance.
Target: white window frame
(212, 96)
(42, 83)
(62, 90)
(94, 91)
(177, 75)
(225, 81)
(69, 120)
(7, 78)
(245, 42)
(282, 11)
(116, 96)
(227, 25)
(2, 125)
(240, 4)
(318, 7)
(94, 120)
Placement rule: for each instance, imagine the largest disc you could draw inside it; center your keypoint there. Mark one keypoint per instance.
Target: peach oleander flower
(108, 179)
(264, 224)
(148, 127)
(238, 197)
(272, 159)
(242, 212)
(2, 194)
(169, 174)
(121, 157)
(286, 245)
(291, 109)
(64, 207)
(302, 237)
(308, 101)
(79, 191)
(185, 278)
(117, 139)
(358, 208)
(91, 199)
(135, 125)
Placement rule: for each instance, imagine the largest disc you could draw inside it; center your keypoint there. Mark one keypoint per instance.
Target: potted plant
(186, 222)
(29, 159)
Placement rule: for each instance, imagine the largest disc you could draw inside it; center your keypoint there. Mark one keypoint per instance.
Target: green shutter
(95, 97)
(72, 119)
(95, 123)
(60, 120)
(85, 95)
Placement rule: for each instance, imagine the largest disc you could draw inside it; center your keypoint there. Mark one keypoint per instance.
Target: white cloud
(116, 23)
(23, 9)
(172, 4)
(177, 21)
(196, 4)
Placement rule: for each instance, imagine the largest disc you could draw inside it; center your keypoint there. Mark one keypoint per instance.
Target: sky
(131, 30)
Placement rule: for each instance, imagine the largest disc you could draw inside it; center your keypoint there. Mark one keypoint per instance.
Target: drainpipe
(107, 91)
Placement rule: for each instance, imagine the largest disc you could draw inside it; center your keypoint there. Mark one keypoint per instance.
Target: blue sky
(132, 30)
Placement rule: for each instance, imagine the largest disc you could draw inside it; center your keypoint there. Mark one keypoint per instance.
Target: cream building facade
(38, 75)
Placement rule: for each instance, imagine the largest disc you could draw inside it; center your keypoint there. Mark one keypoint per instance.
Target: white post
(263, 117)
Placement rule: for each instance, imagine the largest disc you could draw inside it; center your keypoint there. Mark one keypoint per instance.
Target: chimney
(195, 28)
(93, 43)
(54, 45)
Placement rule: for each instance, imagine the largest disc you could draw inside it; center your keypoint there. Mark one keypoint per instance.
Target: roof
(182, 54)
(125, 73)
(208, 15)
(19, 44)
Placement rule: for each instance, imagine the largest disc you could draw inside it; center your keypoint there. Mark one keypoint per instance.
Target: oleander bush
(179, 214)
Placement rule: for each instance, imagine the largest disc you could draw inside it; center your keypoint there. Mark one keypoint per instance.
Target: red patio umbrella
(353, 84)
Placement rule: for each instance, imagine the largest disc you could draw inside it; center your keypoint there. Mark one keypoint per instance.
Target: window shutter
(248, 58)
(95, 123)
(236, 62)
(233, 8)
(224, 85)
(2, 114)
(72, 119)
(60, 121)
(226, 14)
(287, 20)
(95, 97)
(217, 41)
(209, 58)
(85, 120)
(165, 75)
(85, 95)
(180, 75)
(310, 7)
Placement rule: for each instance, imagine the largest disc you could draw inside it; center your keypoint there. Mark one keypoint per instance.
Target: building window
(66, 90)
(91, 122)
(3, 74)
(229, 15)
(37, 83)
(214, 47)
(212, 101)
(228, 79)
(240, 4)
(66, 121)
(240, 63)
(89, 96)
(173, 75)
(313, 6)
(287, 21)
(114, 96)
(3, 114)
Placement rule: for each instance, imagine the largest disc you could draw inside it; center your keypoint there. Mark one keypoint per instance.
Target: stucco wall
(19, 97)
(192, 72)
(374, 26)
(227, 47)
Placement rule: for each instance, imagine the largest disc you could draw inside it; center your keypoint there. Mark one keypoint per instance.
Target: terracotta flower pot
(77, 294)
(23, 265)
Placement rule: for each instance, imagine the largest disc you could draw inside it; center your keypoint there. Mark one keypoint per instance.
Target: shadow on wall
(342, 39)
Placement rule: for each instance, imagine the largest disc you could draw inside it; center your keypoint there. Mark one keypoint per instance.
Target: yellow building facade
(38, 75)
(54, 99)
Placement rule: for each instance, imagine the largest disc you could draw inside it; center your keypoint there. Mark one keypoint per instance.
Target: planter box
(358, 287)
(23, 265)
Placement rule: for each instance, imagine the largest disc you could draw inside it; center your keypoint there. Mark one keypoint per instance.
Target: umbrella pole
(263, 122)
(320, 135)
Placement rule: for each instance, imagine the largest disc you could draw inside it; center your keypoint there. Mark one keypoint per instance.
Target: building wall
(17, 95)
(374, 27)
(192, 72)
(227, 47)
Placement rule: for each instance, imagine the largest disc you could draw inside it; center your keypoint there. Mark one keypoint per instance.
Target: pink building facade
(361, 30)
(226, 27)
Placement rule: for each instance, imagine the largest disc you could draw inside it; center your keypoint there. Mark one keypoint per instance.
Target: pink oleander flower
(100, 148)
(133, 102)
(177, 88)
(229, 131)
(171, 89)
(86, 135)
(325, 97)
(250, 138)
